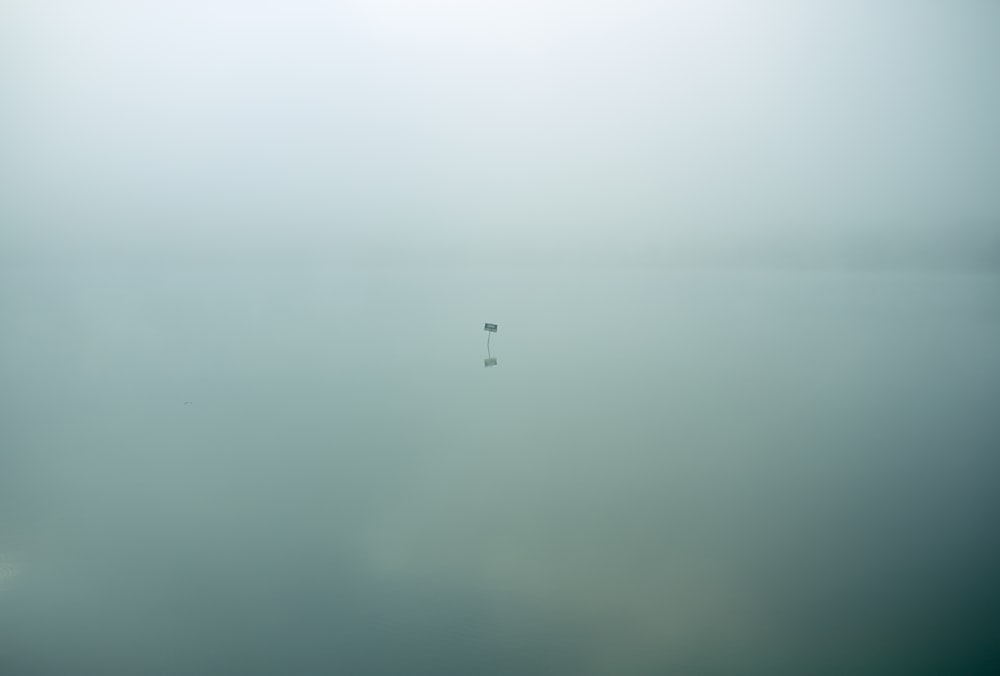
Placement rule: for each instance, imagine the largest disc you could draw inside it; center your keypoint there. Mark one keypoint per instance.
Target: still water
(306, 471)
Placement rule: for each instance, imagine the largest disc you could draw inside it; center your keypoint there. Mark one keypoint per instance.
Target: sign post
(490, 359)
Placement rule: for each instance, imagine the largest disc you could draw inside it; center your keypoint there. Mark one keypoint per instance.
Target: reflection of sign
(492, 328)
(492, 361)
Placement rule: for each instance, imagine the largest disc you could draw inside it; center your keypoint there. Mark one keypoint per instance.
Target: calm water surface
(311, 471)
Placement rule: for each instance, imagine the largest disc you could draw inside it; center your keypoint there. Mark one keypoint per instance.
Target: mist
(653, 133)
(738, 415)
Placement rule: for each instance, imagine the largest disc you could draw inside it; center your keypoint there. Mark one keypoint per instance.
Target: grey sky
(443, 131)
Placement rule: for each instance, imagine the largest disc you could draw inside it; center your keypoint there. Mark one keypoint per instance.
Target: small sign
(492, 361)
(492, 328)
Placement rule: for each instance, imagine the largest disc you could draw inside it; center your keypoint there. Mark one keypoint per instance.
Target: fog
(743, 258)
(714, 133)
